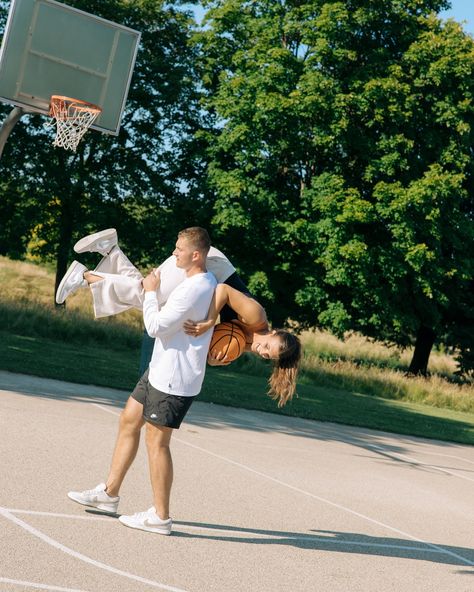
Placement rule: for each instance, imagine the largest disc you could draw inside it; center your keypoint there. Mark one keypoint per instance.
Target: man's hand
(152, 281)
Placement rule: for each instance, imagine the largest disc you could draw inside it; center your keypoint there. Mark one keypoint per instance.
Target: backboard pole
(12, 118)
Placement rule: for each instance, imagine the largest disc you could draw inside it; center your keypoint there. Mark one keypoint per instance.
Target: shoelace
(93, 491)
(103, 244)
(141, 515)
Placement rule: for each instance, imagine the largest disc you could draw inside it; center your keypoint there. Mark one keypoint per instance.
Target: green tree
(147, 181)
(342, 162)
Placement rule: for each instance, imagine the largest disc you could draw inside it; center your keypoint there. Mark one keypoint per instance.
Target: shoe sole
(146, 528)
(83, 245)
(69, 272)
(98, 505)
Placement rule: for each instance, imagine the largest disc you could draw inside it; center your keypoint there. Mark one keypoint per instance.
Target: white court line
(346, 439)
(38, 586)
(385, 449)
(342, 437)
(317, 497)
(288, 431)
(37, 533)
(58, 515)
(329, 502)
(317, 538)
(449, 456)
(105, 409)
(110, 520)
(404, 457)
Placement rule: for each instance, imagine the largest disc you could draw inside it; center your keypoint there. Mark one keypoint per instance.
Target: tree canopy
(342, 159)
(327, 145)
(146, 181)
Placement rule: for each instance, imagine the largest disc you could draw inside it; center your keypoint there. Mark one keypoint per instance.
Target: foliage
(344, 150)
(327, 143)
(353, 381)
(145, 181)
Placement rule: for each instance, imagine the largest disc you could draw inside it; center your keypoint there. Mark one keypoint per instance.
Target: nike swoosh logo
(155, 525)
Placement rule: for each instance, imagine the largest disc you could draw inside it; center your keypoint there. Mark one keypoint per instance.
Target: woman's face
(267, 346)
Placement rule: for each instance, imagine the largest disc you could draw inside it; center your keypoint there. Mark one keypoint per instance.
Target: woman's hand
(196, 329)
(217, 359)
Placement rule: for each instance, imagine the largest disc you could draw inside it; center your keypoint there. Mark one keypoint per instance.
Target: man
(116, 284)
(165, 392)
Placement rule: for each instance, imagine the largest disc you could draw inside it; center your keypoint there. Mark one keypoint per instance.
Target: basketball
(228, 339)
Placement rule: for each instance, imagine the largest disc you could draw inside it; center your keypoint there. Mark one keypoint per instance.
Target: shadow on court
(326, 540)
(335, 542)
(230, 417)
(297, 455)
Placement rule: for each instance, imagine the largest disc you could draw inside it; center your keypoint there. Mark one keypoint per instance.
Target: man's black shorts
(160, 408)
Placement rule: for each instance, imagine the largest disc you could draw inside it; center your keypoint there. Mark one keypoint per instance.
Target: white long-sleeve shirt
(171, 275)
(178, 362)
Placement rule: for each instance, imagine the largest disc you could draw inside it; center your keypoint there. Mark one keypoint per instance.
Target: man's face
(184, 254)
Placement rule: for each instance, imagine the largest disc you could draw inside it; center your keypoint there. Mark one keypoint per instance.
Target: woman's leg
(113, 294)
(121, 289)
(115, 285)
(116, 262)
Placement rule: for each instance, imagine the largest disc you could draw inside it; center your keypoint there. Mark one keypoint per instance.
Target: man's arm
(167, 320)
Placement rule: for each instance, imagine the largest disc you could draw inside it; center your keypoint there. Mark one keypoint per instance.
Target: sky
(461, 10)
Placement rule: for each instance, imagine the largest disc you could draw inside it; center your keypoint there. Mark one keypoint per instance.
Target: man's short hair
(197, 237)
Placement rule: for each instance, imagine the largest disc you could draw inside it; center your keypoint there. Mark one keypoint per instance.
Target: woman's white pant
(121, 285)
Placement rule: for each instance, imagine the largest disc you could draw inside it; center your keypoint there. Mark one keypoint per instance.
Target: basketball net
(73, 118)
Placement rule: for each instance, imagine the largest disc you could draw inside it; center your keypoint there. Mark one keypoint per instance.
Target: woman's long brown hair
(282, 382)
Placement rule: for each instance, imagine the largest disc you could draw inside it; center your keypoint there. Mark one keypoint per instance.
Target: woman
(282, 347)
(116, 286)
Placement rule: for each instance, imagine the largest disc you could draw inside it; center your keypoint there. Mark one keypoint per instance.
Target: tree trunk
(65, 239)
(423, 346)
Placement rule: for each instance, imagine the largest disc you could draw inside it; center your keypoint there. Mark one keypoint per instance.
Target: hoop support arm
(9, 123)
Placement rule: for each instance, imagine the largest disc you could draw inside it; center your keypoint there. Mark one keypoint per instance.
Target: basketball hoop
(73, 118)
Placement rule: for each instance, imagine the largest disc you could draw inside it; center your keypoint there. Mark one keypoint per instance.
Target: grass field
(353, 381)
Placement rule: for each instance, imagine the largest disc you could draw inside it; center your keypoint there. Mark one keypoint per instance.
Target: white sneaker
(100, 242)
(72, 281)
(96, 498)
(149, 521)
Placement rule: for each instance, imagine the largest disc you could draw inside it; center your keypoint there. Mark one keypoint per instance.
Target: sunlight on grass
(324, 346)
(355, 364)
(27, 302)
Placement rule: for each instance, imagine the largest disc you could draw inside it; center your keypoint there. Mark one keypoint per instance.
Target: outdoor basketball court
(260, 502)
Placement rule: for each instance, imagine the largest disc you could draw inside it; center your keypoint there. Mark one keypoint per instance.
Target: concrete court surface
(261, 502)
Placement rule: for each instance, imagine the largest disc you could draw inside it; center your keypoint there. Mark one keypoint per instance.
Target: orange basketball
(228, 339)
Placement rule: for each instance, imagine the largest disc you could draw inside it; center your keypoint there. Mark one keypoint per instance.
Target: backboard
(50, 48)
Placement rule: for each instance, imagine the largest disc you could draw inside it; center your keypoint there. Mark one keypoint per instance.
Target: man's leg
(156, 519)
(105, 495)
(161, 466)
(128, 439)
